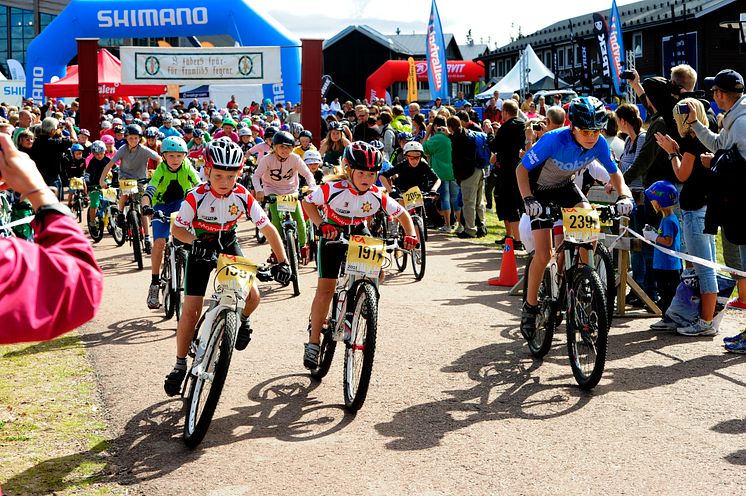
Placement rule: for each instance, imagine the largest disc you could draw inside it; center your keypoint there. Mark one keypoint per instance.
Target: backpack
(482, 149)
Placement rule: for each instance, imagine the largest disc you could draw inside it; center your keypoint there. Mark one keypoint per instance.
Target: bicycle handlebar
(553, 212)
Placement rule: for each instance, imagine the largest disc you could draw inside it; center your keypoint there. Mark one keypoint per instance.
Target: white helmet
(244, 131)
(413, 146)
(312, 157)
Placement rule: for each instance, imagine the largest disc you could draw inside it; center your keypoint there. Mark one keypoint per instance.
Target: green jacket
(167, 186)
(438, 147)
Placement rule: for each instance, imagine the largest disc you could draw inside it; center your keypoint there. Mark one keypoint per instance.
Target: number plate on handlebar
(413, 198)
(128, 186)
(287, 203)
(580, 225)
(109, 194)
(235, 273)
(77, 183)
(364, 256)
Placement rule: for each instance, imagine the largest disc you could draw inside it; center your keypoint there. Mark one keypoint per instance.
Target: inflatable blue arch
(50, 52)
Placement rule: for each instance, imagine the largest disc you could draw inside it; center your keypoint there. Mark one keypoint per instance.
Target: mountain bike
(106, 217)
(77, 188)
(571, 289)
(133, 229)
(172, 269)
(414, 203)
(212, 345)
(286, 205)
(353, 316)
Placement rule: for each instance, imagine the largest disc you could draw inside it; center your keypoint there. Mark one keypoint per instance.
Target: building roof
(414, 45)
(472, 50)
(370, 33)
(634, 15)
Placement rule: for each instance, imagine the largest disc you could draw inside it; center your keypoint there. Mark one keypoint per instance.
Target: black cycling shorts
(331, 256)
(197, 272)
(566, 196)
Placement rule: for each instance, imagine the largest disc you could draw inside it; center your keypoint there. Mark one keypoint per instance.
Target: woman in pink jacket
(53, 285)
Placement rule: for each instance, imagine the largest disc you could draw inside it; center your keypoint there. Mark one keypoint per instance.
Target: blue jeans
(700, 245)
(448, 192)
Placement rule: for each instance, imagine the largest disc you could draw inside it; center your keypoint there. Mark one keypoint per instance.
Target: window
(578, 56)
(501, 68)
(561, 58)
(548, 59)
(568, 58)
(637, 44)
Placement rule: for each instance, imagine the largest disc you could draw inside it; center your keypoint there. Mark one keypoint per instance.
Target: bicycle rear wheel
(361, 347)
(587, 327)
(419, 254)
(328, 345)
(134, 225)
(546, 320)
(205, 388)
(604, 265)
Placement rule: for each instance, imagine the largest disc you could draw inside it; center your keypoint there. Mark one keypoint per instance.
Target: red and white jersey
(346, 206)
(205, 212)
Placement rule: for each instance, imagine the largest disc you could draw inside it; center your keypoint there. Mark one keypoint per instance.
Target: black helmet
(305, 134)
(283, 138)
(133, 129)
(588, 112)
(269, 133)
(335, 126)
(363, 156)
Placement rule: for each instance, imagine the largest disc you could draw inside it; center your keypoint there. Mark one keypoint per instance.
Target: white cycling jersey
(346, 206)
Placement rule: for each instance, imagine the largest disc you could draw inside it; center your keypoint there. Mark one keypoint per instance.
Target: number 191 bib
(364, 256)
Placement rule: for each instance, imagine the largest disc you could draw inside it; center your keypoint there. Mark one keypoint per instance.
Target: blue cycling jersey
(557, 157)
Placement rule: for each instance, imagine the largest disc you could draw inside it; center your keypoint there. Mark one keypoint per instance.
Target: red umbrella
(109, 81)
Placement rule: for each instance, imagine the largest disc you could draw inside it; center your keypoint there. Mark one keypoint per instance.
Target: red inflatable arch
(393, 71)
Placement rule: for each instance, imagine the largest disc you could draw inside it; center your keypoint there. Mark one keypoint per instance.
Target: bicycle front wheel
(78, 208)
(400, 256)
(361, 347)
(133, 224)
(96, 228)
(418, 254)
(292, 252)
(207, 385)
(117, 231)
(178, 282)
(587, 327)
(167, 284)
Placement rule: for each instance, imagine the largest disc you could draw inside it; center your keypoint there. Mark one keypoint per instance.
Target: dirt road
(456, 406)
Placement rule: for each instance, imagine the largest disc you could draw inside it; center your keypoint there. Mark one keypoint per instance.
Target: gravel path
(456, 405)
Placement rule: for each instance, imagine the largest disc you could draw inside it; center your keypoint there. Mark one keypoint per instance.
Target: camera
(683, 108)
(628, 75)
(536, 127)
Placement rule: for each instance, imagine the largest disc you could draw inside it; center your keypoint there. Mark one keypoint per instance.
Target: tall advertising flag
(616, 48)
(601, 32)
(411, 82)
(437, 73)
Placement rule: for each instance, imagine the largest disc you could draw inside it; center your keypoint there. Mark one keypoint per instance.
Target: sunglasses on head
(589, 132)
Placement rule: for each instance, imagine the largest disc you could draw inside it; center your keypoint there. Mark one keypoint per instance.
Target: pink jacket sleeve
(50, 287)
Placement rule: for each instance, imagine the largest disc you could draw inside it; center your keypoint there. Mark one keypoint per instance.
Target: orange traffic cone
(508, 269)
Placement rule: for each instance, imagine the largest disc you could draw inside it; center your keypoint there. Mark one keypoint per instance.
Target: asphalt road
(456, 405)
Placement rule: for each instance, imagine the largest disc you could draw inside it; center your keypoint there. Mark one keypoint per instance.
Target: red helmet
(362, 156)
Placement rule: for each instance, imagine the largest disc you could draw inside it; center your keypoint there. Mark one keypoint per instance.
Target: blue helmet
(77, 147)
(664, 193)
(403, 135)
(173, 144)
(588, 112)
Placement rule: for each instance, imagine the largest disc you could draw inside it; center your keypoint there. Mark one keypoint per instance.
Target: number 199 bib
(235, 272)
(364, 256)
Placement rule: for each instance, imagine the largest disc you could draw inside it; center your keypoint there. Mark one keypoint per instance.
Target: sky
(493, 20)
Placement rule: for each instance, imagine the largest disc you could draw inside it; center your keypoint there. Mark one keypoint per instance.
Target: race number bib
(413, 198)
(77, 183)
(109, 194)
(235, 273)
(287, 203)
(128, 186)
(364, 256)
(580, 225)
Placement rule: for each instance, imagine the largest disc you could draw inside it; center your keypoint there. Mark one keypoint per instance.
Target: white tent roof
(512, 80)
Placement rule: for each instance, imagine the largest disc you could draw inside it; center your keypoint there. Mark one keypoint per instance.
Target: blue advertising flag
(616, 48)
(437, 72)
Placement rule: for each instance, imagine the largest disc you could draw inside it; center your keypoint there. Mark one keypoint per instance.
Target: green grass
(52, 435)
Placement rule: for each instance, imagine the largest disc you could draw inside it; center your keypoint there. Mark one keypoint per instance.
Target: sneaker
(444, 229)
(517, 245)
(734, 339)
(459, 229)
(736, 304)
(148, 246)
(736, 347)
(465, 235)
(501, 241)
(311, 356)
(664, 325)
(699, 328)
(153, 297)
(172, 384)
(481, 232)
(244, 334)
(528, 320)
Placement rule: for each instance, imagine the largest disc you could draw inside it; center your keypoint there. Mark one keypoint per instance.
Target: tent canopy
(539, 77)
(109, 81)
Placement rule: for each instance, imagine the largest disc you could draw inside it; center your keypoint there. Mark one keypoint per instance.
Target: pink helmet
(107, 139)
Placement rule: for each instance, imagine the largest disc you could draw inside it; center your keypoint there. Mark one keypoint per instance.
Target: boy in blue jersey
(545, 175)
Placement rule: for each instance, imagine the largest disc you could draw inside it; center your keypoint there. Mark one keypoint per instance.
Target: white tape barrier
(15, 223)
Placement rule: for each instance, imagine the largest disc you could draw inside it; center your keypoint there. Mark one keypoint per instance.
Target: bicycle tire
(546, 322)
(117, 232)
(167, 285)
(604, 265)
(179, 286)
(292, 253)
(197, 420)
(133, 224)
(78, 208)
(361, 347)
(400, 256)
(586, 334)
(419, 255)
(326, 354)
(423, 216)
(96, 228)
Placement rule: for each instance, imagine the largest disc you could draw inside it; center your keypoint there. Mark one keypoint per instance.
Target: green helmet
(229, 121)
